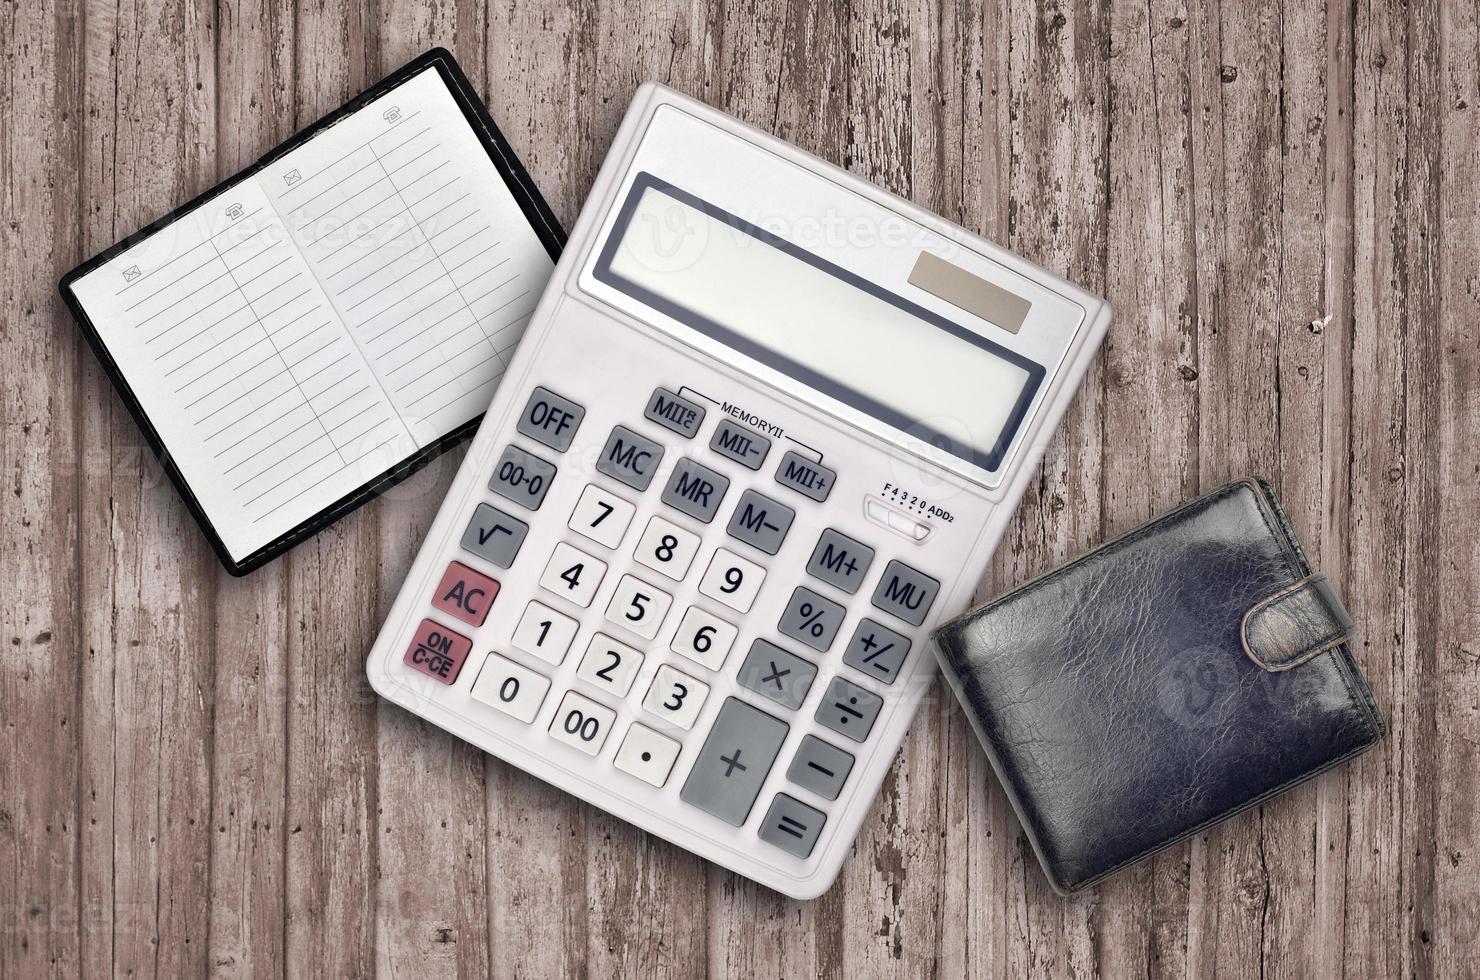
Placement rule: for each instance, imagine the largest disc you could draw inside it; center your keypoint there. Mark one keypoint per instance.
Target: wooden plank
(148, 114)
(254, 63)
(1150, 407)
(42, 923)
(431, 808)
(886, 918)
(1445, 929)
(959, 67)
(333, 609)
(1379, 859)
(536, 848)
(1057, 95)
(1416, 483)
(1312, 460)
(759, 51)
(646, 898)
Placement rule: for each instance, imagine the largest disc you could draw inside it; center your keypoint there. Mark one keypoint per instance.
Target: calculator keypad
(760, 522)
(494, 535)
(731, 759)
(522, 477)
(572, 574)
(601, 516)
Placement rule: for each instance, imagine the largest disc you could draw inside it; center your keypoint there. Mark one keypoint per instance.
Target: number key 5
(638, 607)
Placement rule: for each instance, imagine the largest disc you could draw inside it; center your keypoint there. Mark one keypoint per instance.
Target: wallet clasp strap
(1299, 622)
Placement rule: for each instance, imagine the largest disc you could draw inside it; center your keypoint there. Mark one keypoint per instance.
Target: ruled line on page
(365, 455)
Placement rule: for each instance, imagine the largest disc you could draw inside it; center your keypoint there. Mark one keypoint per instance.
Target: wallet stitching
(1295, 563)
(1271, 602)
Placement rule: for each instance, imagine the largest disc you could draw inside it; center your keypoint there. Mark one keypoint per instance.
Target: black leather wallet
(1161, 683)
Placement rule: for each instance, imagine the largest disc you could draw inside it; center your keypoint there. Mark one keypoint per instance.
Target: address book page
(318, 322)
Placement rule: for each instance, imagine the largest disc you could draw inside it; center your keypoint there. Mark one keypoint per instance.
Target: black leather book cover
(1160, 683)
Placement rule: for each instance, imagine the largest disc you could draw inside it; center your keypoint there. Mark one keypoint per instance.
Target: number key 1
(542, 632)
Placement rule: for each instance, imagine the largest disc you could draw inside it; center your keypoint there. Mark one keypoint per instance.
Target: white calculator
(762, 434)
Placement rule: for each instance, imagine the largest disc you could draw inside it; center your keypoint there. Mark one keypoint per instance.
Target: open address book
(323, 323)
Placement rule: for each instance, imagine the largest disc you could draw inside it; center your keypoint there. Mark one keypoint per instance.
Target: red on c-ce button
(437, 651)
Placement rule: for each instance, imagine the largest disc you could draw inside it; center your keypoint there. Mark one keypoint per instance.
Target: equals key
(792, 826)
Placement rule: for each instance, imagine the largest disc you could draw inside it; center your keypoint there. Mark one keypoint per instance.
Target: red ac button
(465, 594)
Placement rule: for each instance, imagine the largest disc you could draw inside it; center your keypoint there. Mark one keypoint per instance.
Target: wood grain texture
(1279, 200)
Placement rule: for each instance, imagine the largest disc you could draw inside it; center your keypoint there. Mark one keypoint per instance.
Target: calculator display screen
(818, 323)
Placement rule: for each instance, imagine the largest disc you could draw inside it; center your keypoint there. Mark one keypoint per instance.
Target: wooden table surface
(1280, 203)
